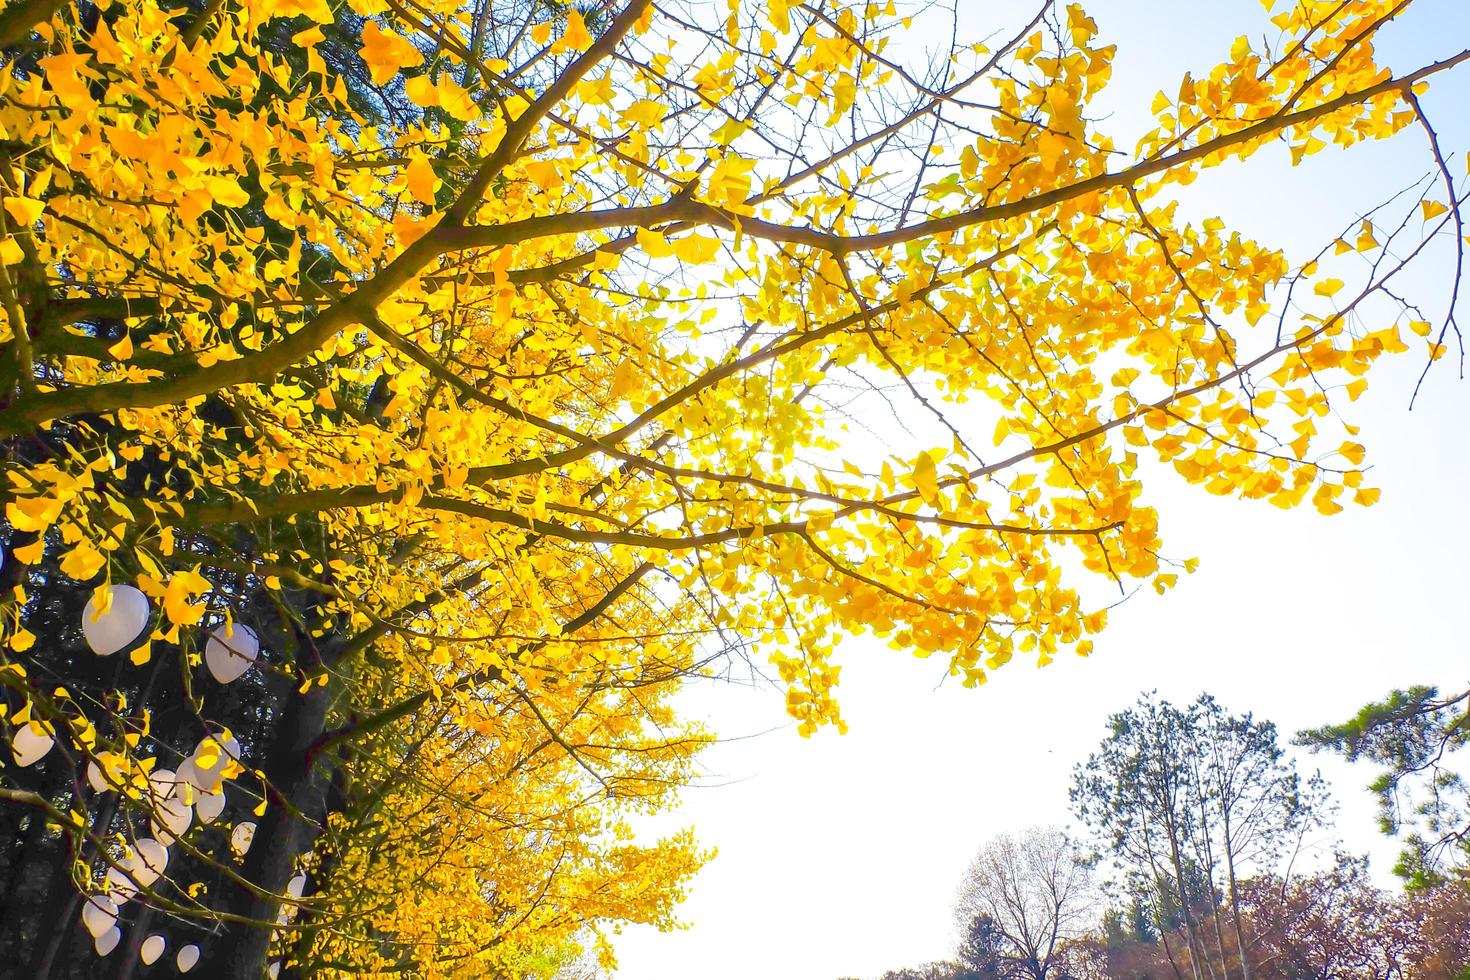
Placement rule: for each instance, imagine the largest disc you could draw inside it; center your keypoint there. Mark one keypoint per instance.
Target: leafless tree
(1036, 889)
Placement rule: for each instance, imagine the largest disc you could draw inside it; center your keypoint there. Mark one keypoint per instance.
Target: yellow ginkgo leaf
(731, 180)
(596, 91)
(422, 91)
(31, 553)
(545, 174)
(227, 192)
(729, 132)
(385, 53)
(456, 100)
(423, 183)
(1051, 148)
(926, 478)
(308, 37)
(24, 210)
(696, 248)
(82, 562)
(318, 10)
(177, 595)
(654, 245)
(644, 112)
(576, 36)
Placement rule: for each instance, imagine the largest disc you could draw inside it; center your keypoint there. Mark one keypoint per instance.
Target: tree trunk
(1245, 965)
(131, 947)
(285, 832)
(1169, 954)
(1196, 948)
(63, 914)
(1208, 858)
(300, 945)
(63, 910)
(13, 911)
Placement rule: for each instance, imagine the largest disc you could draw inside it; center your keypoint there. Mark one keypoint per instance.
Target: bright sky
(840, 855)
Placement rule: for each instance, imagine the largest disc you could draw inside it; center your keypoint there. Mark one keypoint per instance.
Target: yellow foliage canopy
(519, 348)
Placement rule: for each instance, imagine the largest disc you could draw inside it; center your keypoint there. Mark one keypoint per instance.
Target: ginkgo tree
(472, 374)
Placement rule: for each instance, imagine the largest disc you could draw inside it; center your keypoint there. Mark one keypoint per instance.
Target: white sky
(840, 855)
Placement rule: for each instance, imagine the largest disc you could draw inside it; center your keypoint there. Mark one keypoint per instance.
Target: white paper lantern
(242, 837)
(120, 625)
(230, 651)
(189, 778)
(163, 784)
(231, 744)
(147, 862)
(187, 957)
(95, 779)
(296, 886)
(274, 970)
(172, 813)
(99, 914)
(29, 745)
(107, 942)
(209, 806)
(205, 767)
(171, 819)
(120, 885)
(153, 948)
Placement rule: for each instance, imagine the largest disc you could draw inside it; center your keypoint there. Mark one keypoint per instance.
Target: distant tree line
(1201, 857)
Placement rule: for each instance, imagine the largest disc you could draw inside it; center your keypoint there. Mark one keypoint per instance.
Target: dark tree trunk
(63, 910)
(131, 948)
(13, 912)
(284, 833)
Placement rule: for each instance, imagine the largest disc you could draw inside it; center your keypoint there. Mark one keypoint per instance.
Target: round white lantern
(274, 970)
(171, 818)
(153, 948)
(122, 623)
(172, 813)
(188, 780)
(147, 862)
(29, 745)
(187, 957)
(99, 914)
(107, 942)
(242, 837)
(230, 651)
(120, 885)
(163, 784)
(209, 806)
(296, 886)
(95, 779)
(205, 767)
